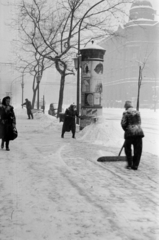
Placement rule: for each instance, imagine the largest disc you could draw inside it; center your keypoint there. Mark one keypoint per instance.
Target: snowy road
(54, 189)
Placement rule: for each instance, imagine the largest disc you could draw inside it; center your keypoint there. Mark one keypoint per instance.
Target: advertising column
(91, 83)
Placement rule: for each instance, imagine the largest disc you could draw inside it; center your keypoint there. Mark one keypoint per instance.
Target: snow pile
(20, 111)
(45, 121)
(103, 132)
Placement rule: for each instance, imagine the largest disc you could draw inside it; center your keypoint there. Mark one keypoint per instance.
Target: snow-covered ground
(55, 189)
(108, 132)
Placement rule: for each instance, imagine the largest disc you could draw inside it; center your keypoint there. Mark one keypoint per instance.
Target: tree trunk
(34, 91)
(34, 97)
(61, 94)
(139, 86)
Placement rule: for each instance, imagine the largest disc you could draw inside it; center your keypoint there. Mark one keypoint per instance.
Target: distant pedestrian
(131, 124)
(29, 108)
(52, 110)
(7, 122)
(69, 121)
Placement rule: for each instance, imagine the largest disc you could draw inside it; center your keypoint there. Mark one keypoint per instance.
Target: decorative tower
(142, 10)
(92, 57)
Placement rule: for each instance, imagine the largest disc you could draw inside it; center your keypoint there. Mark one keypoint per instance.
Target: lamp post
(38, 79)
(22, 84)
(77, 61)
(77, 64)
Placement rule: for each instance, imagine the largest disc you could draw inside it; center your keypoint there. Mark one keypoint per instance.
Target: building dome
(142, 9)
(141, 3)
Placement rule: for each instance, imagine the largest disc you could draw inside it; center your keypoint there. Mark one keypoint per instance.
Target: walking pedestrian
(69, 123)
(7, 122)
(131, 124)
(29, 108)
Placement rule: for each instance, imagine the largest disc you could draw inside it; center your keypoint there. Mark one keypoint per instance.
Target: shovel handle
(121, 149)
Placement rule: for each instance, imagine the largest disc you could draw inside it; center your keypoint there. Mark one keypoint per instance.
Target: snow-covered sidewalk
(54, 188)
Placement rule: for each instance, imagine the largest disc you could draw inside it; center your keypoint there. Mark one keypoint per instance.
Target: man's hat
(128, 104)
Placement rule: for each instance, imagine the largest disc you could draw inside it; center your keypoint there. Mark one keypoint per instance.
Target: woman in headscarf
(8, 122)
(69, 121)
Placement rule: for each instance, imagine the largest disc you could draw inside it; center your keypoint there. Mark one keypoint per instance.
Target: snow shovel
(121, 150)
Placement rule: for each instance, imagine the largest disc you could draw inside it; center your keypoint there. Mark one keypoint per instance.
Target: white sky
(6, 34)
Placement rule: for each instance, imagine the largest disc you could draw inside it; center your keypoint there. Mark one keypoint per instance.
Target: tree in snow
(52, 29)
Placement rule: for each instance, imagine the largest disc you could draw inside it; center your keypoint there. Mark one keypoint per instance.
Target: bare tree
(142, 65)
(53, 30)
(35, 65)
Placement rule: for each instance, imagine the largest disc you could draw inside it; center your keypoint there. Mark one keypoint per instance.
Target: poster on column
(97, 87)
(86, 77)
(86, 69)
(97, 75)
(85, 86)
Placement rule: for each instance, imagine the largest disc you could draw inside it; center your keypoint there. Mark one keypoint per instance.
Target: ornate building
(134, 45)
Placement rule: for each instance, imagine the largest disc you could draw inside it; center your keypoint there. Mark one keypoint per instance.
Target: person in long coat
(8, 122)
(131, 124)
(1, 126)
(69, 123)
(29, 108)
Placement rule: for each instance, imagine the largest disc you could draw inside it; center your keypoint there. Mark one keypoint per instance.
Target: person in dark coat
(69, 121)
(131, 124)
(8, 121)
(28, 107)
(1, 125)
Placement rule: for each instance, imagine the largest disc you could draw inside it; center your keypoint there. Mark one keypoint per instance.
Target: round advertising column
(92, 57)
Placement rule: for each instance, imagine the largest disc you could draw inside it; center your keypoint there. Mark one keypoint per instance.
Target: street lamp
(77, 63)
(38, 79)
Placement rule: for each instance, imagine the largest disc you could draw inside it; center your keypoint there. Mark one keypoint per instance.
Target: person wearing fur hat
(69, 123)
(8, 122)
(131, 124)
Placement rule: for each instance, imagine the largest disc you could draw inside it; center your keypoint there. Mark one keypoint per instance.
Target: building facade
(134, 45)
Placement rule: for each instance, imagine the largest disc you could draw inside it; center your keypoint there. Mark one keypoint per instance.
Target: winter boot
(2, 144)
(7, 146)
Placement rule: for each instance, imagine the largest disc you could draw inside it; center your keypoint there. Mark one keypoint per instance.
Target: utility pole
(38, 97)
(43, 104)
(22, 84)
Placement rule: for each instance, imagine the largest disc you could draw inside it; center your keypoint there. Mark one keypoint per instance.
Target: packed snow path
(54, 189)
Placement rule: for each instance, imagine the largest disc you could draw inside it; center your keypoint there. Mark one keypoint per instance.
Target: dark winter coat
(28, 106)
(131, 123)
(1, 125)
(69, 120)
(7, 121)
